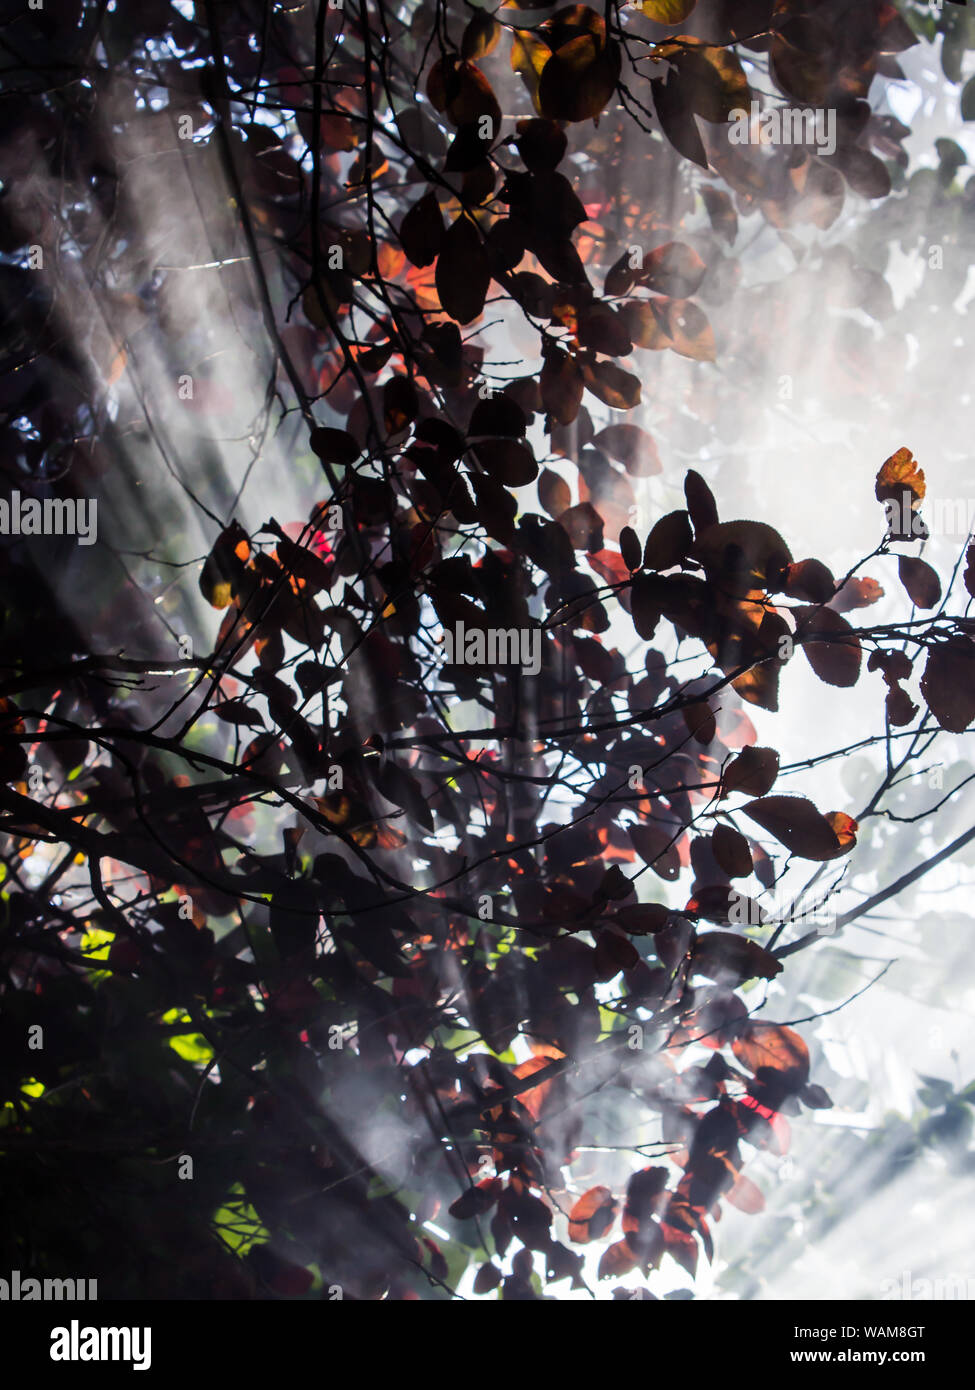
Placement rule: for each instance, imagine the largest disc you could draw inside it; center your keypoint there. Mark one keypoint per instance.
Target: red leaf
(584, 526)
(730, 849)
(618, 389)
(617, 1259)
(948, 683)
(673, 269)
(753, 772)
(920, 580)
(592, 1215)
(746, 1196)
(225, 566)
(775, 1046)
(838, 659)
(796, 823)
(653, 844)
(554, 493)
(561, 386)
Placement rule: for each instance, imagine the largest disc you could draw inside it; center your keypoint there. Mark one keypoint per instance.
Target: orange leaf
(592, 1215)
(900, 473)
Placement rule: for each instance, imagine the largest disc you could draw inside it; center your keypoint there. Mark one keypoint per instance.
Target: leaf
(863, 171)
(673, 269)
(920, 580)
(713, 82)
(334, 446)
(815, 1097)
(657, 847)
(509, 461)
(554, 493)
(542, 144)
(721, 212)
(795, 822)
(844, 827)
(338, 132)
(561, 384)
(677, 324)
(722, 904)
(601, 329)
(529, 54)
(238, 712)
(899, 474)
(667, 11)
(225, 566)
(800, 58)
(901, 709)
(669, 541)
(579, 79)
(838, 659)
(401, 404)
(592, 1215)
(744, 555)
(476, 1200)
(776, 1047)
(402, 789)
(617, 1259)
(856, 593)
(701, 506)
(618, 389)
(632, 446)
(488, 1277)
(681, 1247)
(421, 231)
(460, 89)
(480, 37)
(968, 100)
(463, 271)
(746, 1196)
(620, 278)
(499, 415)
(642, 919)
(676, 117)
(584, 526)
(948, 683)
(13, 758)
(725, 956)
(496, 508)
(809, 580)
(530, 1218)
(730, 849)
(630, 548)
(645, 605)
